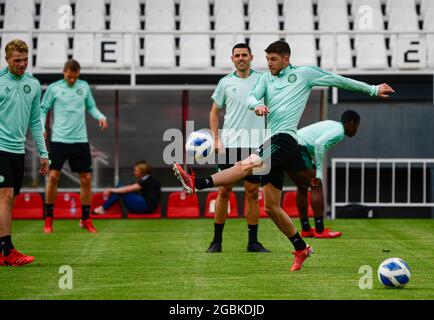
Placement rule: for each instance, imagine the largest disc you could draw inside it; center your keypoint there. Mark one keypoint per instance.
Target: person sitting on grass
(142, 196)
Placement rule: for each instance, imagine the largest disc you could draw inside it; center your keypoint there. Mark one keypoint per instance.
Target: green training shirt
(69, 104)
(286, 94)
(318, 138)
(20, 108)
(241, 128)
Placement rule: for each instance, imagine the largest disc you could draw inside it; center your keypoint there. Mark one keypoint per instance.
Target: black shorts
(279, 154)
(77, 154)
(302, 161)
(11, 171)
(233, 155)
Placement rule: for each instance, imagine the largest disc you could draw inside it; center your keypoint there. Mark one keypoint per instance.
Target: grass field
(166, 259)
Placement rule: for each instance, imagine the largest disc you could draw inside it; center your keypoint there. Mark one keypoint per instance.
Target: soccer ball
(394, 273)
(200, 145)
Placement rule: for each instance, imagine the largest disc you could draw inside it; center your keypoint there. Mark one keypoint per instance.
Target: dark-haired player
(285, 90)
(306, 169)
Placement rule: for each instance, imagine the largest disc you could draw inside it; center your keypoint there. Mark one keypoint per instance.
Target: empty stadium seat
(28, 206)
(154, 215)
(261, 199)
(7, 37)
(47, 5)
(159, 51)
(124, 20)
(210, 206)
(298, 20)
(130, 5)
(289, 204)
(303, 50)
(67, 206)
(21, 5)
(18, 20)
(89, 19)
(264, 22)
(84, 50)
(181, 205)
(224, 5)
(188, 5)
(426, 6)
(371, 53)
(227, 21)
(114, 212)
(371, 50)
(332, 4)
(335, 20)
(397, 5)
(305, 5)
(52, 50)
(262, 6)
(97, 5)
(400, 21)
(194, 49)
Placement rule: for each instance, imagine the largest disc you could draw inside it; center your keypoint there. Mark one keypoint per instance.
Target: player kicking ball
(20, 109)
(285, 90)
(70, 98)
(313, 141)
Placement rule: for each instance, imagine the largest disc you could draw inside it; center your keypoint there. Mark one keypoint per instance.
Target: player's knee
(252, 193)
(224, 192)
(86, 180)
(54, 177)
(7, 195)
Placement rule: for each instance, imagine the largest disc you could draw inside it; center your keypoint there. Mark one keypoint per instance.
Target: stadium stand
(208, 52)
(211, 205)
(153, 215)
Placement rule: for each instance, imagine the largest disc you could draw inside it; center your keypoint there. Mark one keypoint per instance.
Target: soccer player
(70, 98)
(306, 171)
(20, 96)
(285, 89)
(232, 92)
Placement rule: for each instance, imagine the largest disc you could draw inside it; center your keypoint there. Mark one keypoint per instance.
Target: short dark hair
(241, 46)
(350, 115)
(280, 47)
(72, 65)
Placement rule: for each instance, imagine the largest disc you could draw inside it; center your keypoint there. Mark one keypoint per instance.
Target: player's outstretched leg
(241, 169)
(285, 225)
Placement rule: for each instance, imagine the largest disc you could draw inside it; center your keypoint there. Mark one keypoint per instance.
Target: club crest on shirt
(292, 78)
(27, 89)
(7, 90)
(79, 92)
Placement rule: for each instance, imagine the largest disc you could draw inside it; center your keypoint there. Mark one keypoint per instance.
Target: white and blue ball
(200, 145)
(394, 273)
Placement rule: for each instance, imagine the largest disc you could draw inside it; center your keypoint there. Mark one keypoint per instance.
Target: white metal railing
(393, 164)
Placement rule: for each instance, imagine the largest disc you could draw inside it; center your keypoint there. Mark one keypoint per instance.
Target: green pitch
(166, 259)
